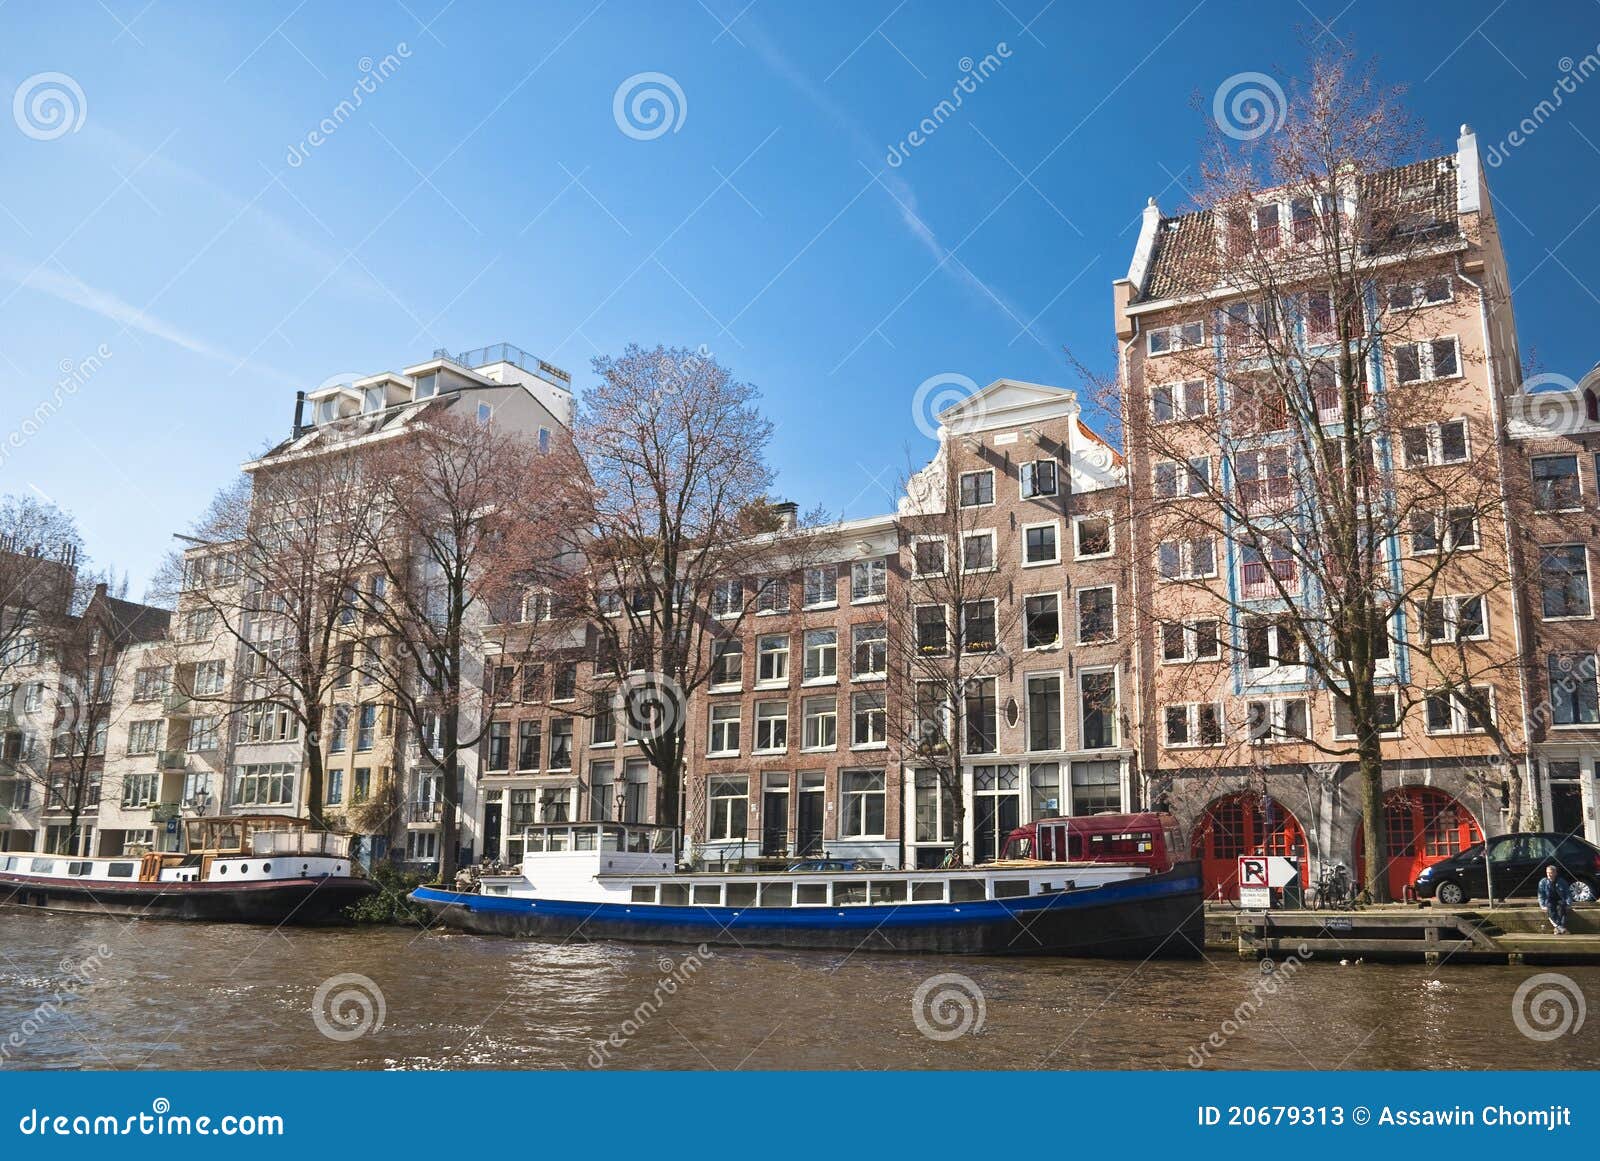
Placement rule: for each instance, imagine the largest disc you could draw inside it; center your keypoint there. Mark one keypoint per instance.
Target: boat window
(638, 841)
(536, 840)
(741, 894)
(11, 863)
(966, 890)
(611, 838)
(222, 868)
(708, 893)
(559, 840)
(78, 868)
(1010, 888)
(586, 839)
(777, 894)
(894, 892)
(852, 892)
(675, 894)
(661, 841)
(644, 894)
(266, 868)
(929, 892)
(811, 893)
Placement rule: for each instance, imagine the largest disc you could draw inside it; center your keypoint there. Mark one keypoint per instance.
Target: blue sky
(484, 192)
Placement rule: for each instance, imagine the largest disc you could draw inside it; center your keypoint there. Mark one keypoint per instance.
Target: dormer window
(427, 386)
(373, 399)
(327, 409)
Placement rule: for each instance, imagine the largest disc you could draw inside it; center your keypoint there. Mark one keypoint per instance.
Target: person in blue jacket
(1553, 898)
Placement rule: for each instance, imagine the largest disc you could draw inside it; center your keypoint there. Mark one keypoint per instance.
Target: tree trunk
(314, 772)
(1370, 772)
(450, 796)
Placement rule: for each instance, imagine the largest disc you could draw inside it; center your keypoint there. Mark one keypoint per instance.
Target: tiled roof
(1426, 188)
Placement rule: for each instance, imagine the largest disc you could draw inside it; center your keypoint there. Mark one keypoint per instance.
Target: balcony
(178, 705)
(172, 760)
(1259, 584)
(424, 812)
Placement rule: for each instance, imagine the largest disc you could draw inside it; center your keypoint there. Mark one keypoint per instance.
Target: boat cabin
(1149, 839)
(229, 848)
(635, 864)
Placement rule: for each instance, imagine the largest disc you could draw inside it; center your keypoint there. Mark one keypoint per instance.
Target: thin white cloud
(899, 190)
(74, 291)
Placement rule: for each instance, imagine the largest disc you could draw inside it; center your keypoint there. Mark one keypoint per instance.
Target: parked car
(1517, 863)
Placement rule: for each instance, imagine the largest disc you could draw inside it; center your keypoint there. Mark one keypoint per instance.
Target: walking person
(1554, 896)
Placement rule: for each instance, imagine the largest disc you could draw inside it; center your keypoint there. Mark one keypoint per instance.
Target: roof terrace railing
(517, 357)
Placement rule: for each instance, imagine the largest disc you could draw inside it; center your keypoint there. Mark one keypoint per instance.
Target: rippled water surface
(180, 995)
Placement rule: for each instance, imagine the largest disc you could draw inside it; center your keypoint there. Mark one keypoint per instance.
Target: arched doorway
(1243, 824)
(1422, 825)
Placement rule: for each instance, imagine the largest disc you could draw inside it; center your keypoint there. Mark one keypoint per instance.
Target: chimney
(788, 514)
(299, 413)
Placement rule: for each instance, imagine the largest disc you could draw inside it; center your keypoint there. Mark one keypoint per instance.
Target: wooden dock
(1513, 934)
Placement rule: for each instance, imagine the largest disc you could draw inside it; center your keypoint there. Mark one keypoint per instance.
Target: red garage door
(1243, 824)
(1422, 825)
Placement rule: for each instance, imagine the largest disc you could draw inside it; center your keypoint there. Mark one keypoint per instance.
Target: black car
(1517, 862)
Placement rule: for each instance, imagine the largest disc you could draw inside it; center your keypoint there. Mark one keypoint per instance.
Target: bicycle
(1335, 888)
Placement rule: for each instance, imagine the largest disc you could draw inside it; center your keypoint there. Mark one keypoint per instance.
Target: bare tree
(1303, 402)
(946, 636)
(670, 539)
(456, 520)
(279, 555)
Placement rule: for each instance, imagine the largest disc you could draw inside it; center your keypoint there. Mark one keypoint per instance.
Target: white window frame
(1173, 336)
(1177, 395)
(878, 713)
(829, 678)
(994, 550)
(1060, 679)
(762, 654)
(1077, 604)
(882, 568)
(1418, 296)
(1277, 715)
(1031, 468)
(1425, 367)
(717, 730)
(1186, 560)
(1458, 714)
(1451, 611)
(1393, 731)
(1192, 726)
(828, 602)
(1436, 444)
(1588, 578)
(1184, 476)
(1060, 638)
(1191, 637)
(1111, 536)
(765, 717)
(944, 556)
(1022, 539)
(961, 476)
(829, 707)
(1577, 459)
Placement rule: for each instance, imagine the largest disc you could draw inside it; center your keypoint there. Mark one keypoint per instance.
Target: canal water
(102, 993)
